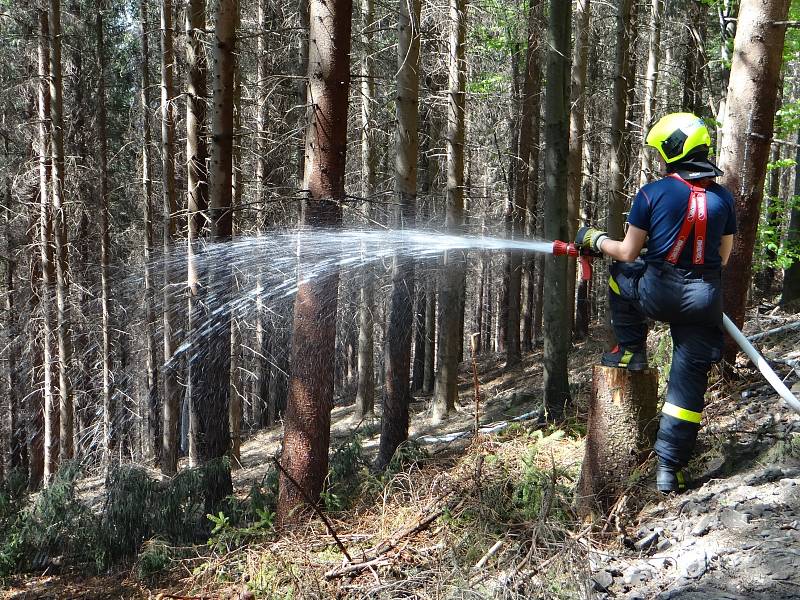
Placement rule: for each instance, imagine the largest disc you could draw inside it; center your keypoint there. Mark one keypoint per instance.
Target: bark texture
(747, 133)
(394, 420)
(555, 308)
(308, 413)
(622, 426)
(791, 276)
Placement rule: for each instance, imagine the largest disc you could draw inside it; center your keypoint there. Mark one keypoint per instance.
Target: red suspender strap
(697, 217)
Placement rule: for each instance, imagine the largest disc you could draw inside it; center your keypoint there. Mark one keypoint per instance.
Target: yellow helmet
(677, 134)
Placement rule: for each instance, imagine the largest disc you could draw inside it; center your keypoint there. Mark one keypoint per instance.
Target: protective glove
(590, 239)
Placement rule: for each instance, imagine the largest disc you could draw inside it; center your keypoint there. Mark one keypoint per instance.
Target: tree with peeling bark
(651, 86)
(556, 319)
(397, 398)
(308, 413)
(747, 131)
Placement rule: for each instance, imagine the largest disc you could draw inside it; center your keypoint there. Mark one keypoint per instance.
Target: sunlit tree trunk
(261, 398)
(109, 410)
(171, 398)
(747, 132)
(451, 289)
(394, 421)
(365, 391)
(152, 398)
(211, 399)
(51, 412)
(651, 86)
(619, 107)
(64, 440)
(556, 319)
(197, 197)
(577, 128)
(308, 413)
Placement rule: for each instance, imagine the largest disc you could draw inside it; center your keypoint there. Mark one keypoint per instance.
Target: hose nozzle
(564, 249)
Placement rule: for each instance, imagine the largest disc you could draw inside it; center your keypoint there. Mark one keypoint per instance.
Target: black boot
(622, 358)
(670, 479)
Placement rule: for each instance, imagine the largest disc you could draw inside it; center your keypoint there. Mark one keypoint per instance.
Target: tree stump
(622, 428)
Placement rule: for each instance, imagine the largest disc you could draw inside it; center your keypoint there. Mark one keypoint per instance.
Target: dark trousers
(690, 300)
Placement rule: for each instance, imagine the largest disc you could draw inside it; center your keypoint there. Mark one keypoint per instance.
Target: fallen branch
(769, 332)
(315, 508)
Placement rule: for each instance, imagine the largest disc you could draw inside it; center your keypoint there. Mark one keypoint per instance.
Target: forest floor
(460, 518)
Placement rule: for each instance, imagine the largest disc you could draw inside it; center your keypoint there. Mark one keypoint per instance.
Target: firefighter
(686, 222)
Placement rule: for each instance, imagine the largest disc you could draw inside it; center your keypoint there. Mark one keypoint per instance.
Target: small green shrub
(154, 558)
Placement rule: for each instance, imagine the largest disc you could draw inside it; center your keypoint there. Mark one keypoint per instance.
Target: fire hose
(585, 257)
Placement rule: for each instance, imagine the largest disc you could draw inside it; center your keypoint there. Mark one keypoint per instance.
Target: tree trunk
(577, 127)
(152, 408)
(622, 428)
(365, 391)
(651, 86)
(109, 410)
(430, 337)
(791, 276)
(418, 370)
(694, 60)
(451, 289)
(529, 103)
(394, 420)
(556, 315)
(60, 235)
(308, 414)
(211, 402)
(171, 398)
(747, 133)
(51, 414)
(619, 107)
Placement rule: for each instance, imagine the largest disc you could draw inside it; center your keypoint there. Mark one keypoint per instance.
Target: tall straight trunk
(791, 276)
(152, 399)
(260, 411)
(773, 215)
(747, 133)
(51, 414)
(197, 198)
(16, 440)
(556, 318)
(693, 60)
(522, 174)
(308, 413)
(418, 366)
(577, 128)
(60, 235)
(365, 390)
(397, 398)
(619, 108)
(237, 184)
(651, 85)
(727, 28)
(211, 401)
(430, 337)
(171, 397)
(451, 289)
(301, 87)
(109, 410)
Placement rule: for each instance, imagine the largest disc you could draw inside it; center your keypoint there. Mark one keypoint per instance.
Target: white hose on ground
(760, 362)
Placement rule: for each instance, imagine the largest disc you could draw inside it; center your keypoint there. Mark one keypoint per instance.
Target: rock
(789, 482)
(755, 510)
(733, 519)
(692, 565)
(663, 544)
(646, 541)
(636, 575)
(706, 523)
(693, 509)
(790, 471)
(602, 580)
